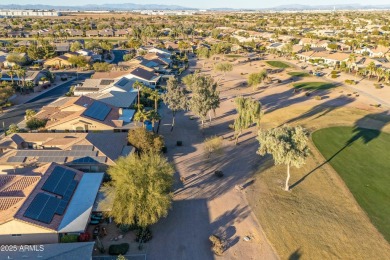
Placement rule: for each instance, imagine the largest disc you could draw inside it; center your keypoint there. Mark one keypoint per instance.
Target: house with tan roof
(84, 114)
(89, 152)
(40, 206)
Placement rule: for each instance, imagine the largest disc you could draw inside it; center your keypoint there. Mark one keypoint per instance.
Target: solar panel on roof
(106, 82)
(58, 181)
(98, 111)
(42, 208)
(122, 82)
(82, 148)
(19, 159)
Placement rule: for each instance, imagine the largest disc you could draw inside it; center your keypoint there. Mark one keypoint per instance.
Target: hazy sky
(200, 3)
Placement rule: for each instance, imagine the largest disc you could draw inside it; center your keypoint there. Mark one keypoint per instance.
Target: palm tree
(351, 60)
(380, 73)
(141, 115)
(155, 96)
(139, 85)
(371, 68)
(153, 116)
(11, 73)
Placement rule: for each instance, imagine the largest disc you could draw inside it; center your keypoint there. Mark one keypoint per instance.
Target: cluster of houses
(50, 182)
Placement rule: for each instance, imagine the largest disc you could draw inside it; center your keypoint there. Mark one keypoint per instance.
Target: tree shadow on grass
(296, 255)
(359, 133)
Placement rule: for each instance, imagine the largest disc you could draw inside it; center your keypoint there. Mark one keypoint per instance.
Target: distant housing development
(13, 13)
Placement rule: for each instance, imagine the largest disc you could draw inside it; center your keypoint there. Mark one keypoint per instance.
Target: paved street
(16, 114)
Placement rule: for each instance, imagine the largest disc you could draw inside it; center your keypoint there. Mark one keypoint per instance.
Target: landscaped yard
(313, 85)
(364, 166)
(298, 74)
(278, 64)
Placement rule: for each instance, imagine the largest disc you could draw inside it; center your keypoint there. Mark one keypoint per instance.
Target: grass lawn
(233, 56)
(278, 64)
(298, 74)
(364, 166)
(313, 85)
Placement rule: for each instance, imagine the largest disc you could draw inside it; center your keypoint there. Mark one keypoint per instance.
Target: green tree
(249, 113)
(203, 52)
(371, 68)
(78, 61)
(255, 79)
(102, 66)
(36, 123)
(223, 67)
(205, 97)
(30, 114)
(11, 73)
(153, 116)
(6, 91)
(175, 98)
(141, 187)
(145, 141)
(128, 56)
(75, 46)
(13, 128)
(287, 145)
(139, 86)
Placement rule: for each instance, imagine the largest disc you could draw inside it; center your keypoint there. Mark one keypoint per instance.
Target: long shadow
(287, 98)
(365, 134)
(296, 255)
(323, 108)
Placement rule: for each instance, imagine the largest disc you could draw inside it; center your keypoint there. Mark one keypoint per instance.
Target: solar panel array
(54, 153)
(106, 82)
(42, 208)
(98, 111)
(99, 159)
(18, 159)
(57, 159)
(122, 82)
(82, 148)
(59, 181)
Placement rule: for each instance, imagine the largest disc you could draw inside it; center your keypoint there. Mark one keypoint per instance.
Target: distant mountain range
(130, 6)
(109, 7)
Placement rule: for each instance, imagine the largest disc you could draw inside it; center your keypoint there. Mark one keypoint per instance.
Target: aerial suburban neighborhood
(163, 132)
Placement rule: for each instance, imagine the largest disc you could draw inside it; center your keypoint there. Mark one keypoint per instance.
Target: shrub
(144, 234)
(317, 97)
(334, 76)
(36, 123)
(350, 81)
(69, 238)
(126, 228)
(144, 140)
(213, 144)
(120, 249)
(378, 86)
(334, 72)
(217, 245)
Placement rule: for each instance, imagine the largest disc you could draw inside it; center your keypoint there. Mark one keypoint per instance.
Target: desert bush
(334, 76)
(378, 86)
(317, 97)
(69, 238)
(217, 245)
(350, 81)
(213, 145)
(334, 72)
(145, 234)
(120, 249)
(36, 123)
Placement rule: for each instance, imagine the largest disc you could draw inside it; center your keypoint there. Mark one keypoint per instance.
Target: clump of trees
(255, 79)
(288, 145)
(141, 186)
(102, 66)
(145, 141)
(36, 123)
(205, 97)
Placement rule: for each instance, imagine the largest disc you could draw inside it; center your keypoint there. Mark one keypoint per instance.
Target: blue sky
(200, 3)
